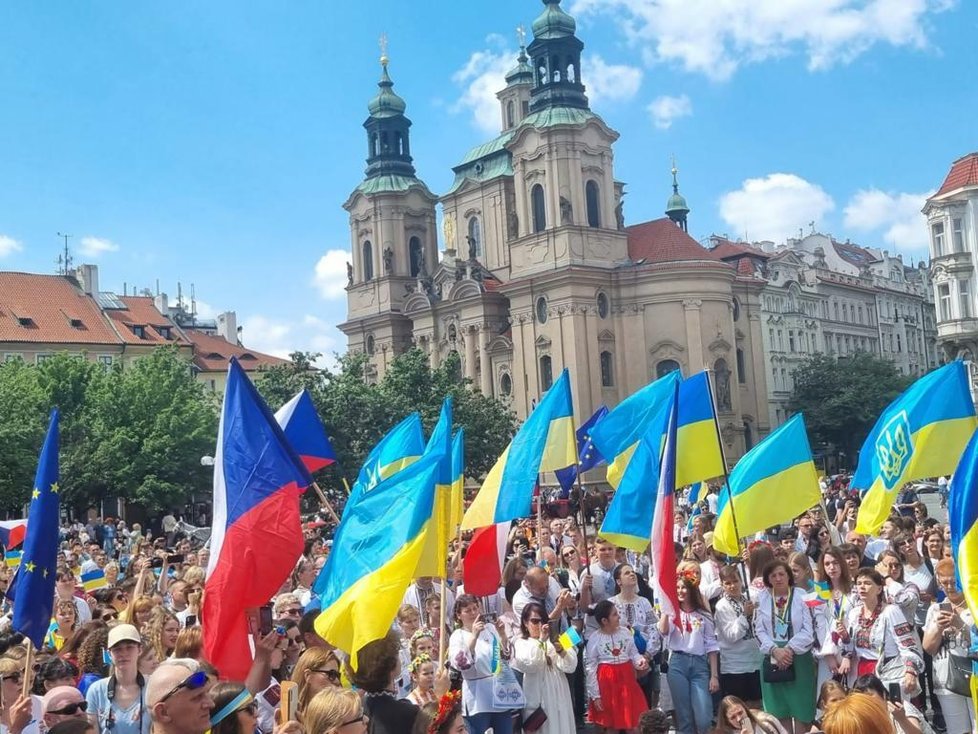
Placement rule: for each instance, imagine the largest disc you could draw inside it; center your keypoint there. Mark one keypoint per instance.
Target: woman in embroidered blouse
(889, 565)
(611, 661)
(801, 571)
(740, 656)
(831, 616)
(785, 633)
(545, 666)
(472, 650)
(635, 611)
(693, 665)
(877, 629)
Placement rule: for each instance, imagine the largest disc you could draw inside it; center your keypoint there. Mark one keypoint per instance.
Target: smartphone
(273, 694)
(156, 563)
(251, 614)
(893, 693)
(190, 621)
(175, 558)
(946, 606)
(265, 619)
(290, 702)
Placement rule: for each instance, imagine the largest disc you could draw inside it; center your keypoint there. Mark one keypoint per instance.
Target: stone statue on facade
(349, 274)
(388, 259)
(566, 211)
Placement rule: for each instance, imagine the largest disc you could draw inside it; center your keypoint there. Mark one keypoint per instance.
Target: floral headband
(423, 632)
(418, 661)
(446, 704)
(755, 544)
(689, 575)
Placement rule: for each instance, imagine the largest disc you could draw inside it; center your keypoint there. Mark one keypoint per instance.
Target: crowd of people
(813, 627)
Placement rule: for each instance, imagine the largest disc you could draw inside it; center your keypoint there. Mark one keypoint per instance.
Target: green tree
(23, 416)
(842, 399)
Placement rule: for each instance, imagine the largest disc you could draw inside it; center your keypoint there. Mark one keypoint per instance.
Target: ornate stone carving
(692, 304)
(349, 274)
(388, 259)
(566, 211)
(448, 230)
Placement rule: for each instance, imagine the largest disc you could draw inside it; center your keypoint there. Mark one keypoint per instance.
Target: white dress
(545, 683)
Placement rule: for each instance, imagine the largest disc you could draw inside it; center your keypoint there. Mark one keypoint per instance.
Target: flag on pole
(34, 595)
(94, 579)
(306, 432)
(400, 447)
(962, 512)
(12, 558)
(588, 455)
(12, 533)
(545, 442)
(665, 579)
(257, 533)
(434, 557)
(458, 479)
(920, 434)
(482, 566)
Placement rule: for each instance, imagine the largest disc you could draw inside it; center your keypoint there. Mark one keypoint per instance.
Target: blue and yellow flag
(34, 597)
(458, 479)
(94, 579)
(545, 442)
(375, 554)
(434, 558)
(400, 447)
(921, 434)
(12, 558)
(774, 482)
(962, 512)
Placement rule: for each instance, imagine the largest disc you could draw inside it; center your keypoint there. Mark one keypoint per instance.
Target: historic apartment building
(539, 269)
(837, 298)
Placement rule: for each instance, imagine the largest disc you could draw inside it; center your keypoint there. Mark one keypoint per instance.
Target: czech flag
(306, 432)
(12, 533)
(665, 579)
(257, 532)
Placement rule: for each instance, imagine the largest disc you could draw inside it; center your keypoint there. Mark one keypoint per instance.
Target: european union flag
(588, 454)
(35, 583)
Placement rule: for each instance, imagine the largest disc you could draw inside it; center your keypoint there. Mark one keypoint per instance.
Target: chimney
(161, 304)
(88, 278)
(227, 326)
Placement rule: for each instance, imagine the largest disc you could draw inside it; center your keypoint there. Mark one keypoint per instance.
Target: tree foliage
(842, 399)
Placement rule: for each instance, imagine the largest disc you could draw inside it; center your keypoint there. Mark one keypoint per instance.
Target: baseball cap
(123, 633)
(60, 696)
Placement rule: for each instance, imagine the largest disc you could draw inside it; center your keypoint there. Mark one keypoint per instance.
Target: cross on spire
(384, 59)
(521, 35)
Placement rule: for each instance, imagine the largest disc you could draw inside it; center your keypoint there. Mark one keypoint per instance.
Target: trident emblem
(893, 449)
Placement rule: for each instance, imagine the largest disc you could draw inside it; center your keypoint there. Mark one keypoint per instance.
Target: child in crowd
(611, 662)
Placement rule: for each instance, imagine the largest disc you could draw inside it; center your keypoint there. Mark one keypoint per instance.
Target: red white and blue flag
(257, 533)
(306, 432)
(665, 579)
(482, 567)
(12, 533)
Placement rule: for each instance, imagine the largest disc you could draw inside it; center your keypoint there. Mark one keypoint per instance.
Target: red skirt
(621, 698)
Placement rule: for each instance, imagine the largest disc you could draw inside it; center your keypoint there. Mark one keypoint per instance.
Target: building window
(539, 207)
(604, 306)
(370, 344)
(591, 193)
(416, 254)
(944, 301)
(607, 370)
(38, 359)
(860, 314)
(367, 255)
(899, 343)
(937, 233)
(741, 367)
(138, 330)
(836, 307)
(957, 234)
(791, 341)
(665, 367)
(105, 360)
(475, 236)
(964, 298)
(546, 372)
(510, 114)
(541, 310)
(736, 309)
(505, 385)
(13, 357)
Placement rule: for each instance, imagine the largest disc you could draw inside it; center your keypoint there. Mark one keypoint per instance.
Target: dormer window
(164, 331)
(138, 330)
(25, 321)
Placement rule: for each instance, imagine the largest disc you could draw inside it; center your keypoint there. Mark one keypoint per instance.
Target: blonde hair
(312, 659)
(154, 630)
(858, 713)
(329, 709)
(193, 576)
(9, 665)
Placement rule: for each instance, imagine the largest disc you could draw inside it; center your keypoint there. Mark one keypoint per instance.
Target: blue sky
(214, 143)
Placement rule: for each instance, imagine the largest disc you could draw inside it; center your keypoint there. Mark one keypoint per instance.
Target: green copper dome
(676, 204)
(386, 103)
(522, 72)
(553, 22)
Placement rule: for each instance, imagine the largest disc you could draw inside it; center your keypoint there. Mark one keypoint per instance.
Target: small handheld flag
(666, 579)
(570, 639)
(94, 579)
(12, 558)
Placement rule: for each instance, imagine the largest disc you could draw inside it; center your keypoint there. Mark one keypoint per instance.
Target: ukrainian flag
(545, 442)
(12, 558)
(434, 558)
(921, 434)
(458, 479)
(402, 446)
(375, 554)
(962, 512)
(773, 482)
(94, 579)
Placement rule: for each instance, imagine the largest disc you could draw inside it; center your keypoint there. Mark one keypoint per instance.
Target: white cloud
(715, 38)
(329, 276)
(609, 82)
(280, 337)
(8, 245)
(95, 246)
(774, 207)
(895, 214)
(665, 110)
(483, 75)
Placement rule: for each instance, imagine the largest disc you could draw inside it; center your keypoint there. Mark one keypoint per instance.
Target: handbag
(957, 677)
(534, 721)
(771, 673)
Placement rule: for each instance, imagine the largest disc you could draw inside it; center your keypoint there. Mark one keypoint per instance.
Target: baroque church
(539, 269)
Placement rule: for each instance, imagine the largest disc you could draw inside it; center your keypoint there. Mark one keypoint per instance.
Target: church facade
(538, 269)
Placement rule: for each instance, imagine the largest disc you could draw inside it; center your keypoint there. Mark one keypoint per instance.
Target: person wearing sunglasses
(178, 698)
(337, 711)
(63, 703)
(317, 669)
(118, 703)
(19, 714)
(235, 710)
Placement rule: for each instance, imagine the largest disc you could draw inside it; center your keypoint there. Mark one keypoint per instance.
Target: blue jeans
(500, 721)
(689, 683)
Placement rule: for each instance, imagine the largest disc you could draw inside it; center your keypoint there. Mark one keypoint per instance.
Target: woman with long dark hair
(545, 666)
(832, 570)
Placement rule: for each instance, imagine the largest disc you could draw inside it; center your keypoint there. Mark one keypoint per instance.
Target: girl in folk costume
(611, 661)
(879, 640)
(422, 670)
(635, 611)
(740, 655)
(831, 616)
(786, 633)
(693, 664)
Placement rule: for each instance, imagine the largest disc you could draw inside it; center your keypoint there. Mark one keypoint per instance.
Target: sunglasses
(361, 719)
(109, 617)
(192, 682)
(333, 675)
(15, 677)
(535, 620)
(71, 709)
(297, 611)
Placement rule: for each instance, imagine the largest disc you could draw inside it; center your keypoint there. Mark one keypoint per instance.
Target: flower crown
(689, 575)
(418, 661)
(755, 544)
(446, 704)
(423, 632)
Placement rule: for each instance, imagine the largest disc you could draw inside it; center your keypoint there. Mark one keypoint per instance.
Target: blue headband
(233, 705)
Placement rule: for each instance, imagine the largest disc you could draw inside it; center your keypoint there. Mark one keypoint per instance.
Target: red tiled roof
(964, 172)
(211, 353)
(661, 240)
(746, 267)
(140, 311)
(854, 254)
(725, 249)
(43, 308)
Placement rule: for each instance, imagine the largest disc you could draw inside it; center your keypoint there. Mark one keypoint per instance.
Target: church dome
(676, 204)
(521, 72)
(386, 103)
(553, 22)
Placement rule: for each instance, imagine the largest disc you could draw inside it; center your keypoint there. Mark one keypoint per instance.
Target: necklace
(866, 626)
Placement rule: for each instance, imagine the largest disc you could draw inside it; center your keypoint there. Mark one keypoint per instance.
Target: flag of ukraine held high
(402, 446)
(545, 442)
(921, 434)
(375, 554)
(434, 558)
(774, 482)
(962, 512)
(458, 479)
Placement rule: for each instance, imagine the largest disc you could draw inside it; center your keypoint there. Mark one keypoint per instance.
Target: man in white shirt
(424, 587)
(598, 581)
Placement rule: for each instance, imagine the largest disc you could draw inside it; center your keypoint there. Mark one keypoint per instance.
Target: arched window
(370, 344)
(510, 114)
(506, 384)
(591, 193)
(541, 310)
(665, 367)
(748, 436)
(539, 207)
(475, 232)
(736, 309)
(368, 261)
(546, 372)
(604, 306)
(417, 256)
(741, 367)
(607, 370)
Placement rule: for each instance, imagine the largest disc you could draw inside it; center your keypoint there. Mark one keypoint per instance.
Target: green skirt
(794, 700)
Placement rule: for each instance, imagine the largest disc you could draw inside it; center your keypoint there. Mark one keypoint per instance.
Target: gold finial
(384, 59)
(674, 169)
(521, 35)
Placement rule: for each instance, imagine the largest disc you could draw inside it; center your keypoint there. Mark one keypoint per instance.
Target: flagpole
(325, 503)
(723, 456)
(28, 667)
